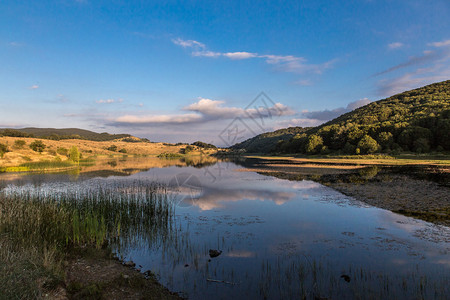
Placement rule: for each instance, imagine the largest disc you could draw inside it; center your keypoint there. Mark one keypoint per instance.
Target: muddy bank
(416, 191)
(95, 274)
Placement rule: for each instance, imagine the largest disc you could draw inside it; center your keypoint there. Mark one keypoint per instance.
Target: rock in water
(130, 264)
(214, 253)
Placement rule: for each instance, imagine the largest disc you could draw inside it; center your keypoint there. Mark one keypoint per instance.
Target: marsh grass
(40, 225)
(39, 166)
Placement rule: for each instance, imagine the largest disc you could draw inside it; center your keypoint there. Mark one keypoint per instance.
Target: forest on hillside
(413, 121)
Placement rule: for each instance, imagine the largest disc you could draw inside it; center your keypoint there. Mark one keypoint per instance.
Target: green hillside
(267, 142)
(416, 120)
(60, 134)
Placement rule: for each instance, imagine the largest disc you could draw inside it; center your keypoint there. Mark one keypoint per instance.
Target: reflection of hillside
(111, 167)
(129, 166)
(214, 198)
(199, 161)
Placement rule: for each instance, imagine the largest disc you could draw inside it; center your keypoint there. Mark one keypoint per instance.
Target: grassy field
(20, 157)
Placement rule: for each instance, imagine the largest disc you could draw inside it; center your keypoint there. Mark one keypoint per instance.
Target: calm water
(279, 239)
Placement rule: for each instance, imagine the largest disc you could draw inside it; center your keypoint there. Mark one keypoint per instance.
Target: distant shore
(404, 187)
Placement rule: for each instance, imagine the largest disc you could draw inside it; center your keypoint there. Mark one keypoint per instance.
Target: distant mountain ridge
(63, 133)
(416, 120)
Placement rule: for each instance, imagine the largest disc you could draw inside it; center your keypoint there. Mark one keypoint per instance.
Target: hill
(266, 142)
(416, 120)
(61, 134)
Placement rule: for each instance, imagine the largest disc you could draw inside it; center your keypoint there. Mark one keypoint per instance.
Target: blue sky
(186, 70)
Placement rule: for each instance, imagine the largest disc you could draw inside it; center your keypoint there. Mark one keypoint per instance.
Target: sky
(216, 71)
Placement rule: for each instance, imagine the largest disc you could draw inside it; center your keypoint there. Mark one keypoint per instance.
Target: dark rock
(130, 264)
(214, 253)
(346, 277)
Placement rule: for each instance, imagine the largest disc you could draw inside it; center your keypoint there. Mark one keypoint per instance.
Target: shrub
(37, 146)
(63, 151)
(112, 148)
(3, 150)
(18, 144)
(188, 149)
(123, 150)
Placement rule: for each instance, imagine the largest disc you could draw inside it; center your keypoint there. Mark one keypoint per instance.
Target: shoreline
(387, 187)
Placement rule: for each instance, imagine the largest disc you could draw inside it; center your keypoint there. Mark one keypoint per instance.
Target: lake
(271, 238)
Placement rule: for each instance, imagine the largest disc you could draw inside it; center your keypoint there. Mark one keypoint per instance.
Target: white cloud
(426, 57)
(395, 45)
(206, 53)
(414, 79)
(34, 87)
(440, 44)
(206, 110)
(109, 101)
(432, 66)
(298, 122)
(187, 43)
(358, 103)
(240, 55)
(326, 115)
(155, 119)
(284, 63)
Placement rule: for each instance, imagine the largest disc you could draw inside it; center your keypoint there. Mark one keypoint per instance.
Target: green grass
(169, 155)
(47, 164)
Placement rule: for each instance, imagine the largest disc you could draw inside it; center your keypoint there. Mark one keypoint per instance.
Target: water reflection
(281, 239)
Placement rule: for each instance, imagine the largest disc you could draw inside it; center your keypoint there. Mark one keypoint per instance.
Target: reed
(40, 225)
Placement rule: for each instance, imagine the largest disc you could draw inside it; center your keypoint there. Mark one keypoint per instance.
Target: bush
(37, 146)
(188, 149)
(63, 151)
(112, 148)
(3, 150)
(123, 150)
(19, 144)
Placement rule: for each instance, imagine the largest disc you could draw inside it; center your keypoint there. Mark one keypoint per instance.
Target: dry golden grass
(17, 156)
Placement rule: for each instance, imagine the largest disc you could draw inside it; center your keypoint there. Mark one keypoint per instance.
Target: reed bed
(95, 214)
(40, 224)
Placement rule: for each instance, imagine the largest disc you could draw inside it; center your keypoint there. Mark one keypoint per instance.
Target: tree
(421, 145)
(368, 145)
(37, 146)
(314, 144)
(74, 154)
(385, 139)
